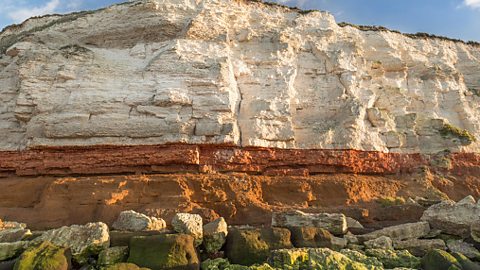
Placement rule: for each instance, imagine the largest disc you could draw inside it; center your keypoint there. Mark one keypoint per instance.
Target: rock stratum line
(183, 158)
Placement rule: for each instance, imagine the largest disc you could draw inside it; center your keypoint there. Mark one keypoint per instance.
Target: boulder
(6, 225)
(215, 235)
(353, 223)
(399, 232)
(371, 262)
(189, 224)
(324, 258)
(312, 237)
(122, 238)
(382, 242)
(167, 251)
(467, 249)
(419, 247)
(453, 218)
(465, 262)
(247, 246)
(11, 250)
(14, 235)
(475, 231)
(224, 264)
(44, 256)
(124, 266)
(83, 240)
(393, 258)
(113, 255)
(334, 223)
(133, 221)
(437, 259)
(296, 258)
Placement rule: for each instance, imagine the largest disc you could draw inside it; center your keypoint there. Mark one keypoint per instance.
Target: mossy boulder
(312, 237)
(124, 266)
(289, 259)
(168, 251)
(84, 241)
(324, 258)
(437, 259)
(112, 256)
(465, 262)
(394, 258)
(224, 264)
(357, 256)
(248, 246)
(44, 256)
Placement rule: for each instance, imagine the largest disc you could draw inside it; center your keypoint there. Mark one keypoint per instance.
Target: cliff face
(217, 86)
(224, 72)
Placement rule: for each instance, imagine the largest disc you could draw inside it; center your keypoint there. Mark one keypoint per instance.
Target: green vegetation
(391, 201)
(419, 35)
(464, 135)
(45, 256)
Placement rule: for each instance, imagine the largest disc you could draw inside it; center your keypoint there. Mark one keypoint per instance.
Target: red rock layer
(176, 158)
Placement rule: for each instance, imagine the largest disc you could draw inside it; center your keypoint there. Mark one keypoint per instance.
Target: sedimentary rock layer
(214, 158)
(233, 72)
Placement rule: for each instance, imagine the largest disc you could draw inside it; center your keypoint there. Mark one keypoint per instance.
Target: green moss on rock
(44, 256)
(224, 264)
(248, 246)
(465, 262)
(290, 259)
(437, 259)
(113, 255)
(124, 266)
(449, 131)
(394, 258)
(324, 258)
(168, 251)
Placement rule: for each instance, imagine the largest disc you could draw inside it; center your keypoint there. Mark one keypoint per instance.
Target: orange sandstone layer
(176, 158)
(47, 201)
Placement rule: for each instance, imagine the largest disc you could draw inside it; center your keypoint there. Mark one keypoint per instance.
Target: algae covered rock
(168, 251)
(394, 258)
(113, 255)
(437, 259)
(45, 256)
(248, 246)
(324, 258)
(191, 224)
(360, 257)
(289, 259)
(224, 264)
(133, 221)
(465, 262)
(83, 240)
(125, 266)
(11, 250)
(215, 235)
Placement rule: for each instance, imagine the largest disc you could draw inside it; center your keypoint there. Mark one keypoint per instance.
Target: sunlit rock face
(229, 72)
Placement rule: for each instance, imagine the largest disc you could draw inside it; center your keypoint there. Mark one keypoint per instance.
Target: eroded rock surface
(233, 72)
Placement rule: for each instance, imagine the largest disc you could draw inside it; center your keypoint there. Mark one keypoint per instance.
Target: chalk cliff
(207, 86)
(229, 72)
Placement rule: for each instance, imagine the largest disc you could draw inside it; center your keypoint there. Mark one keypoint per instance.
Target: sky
(451, 18)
